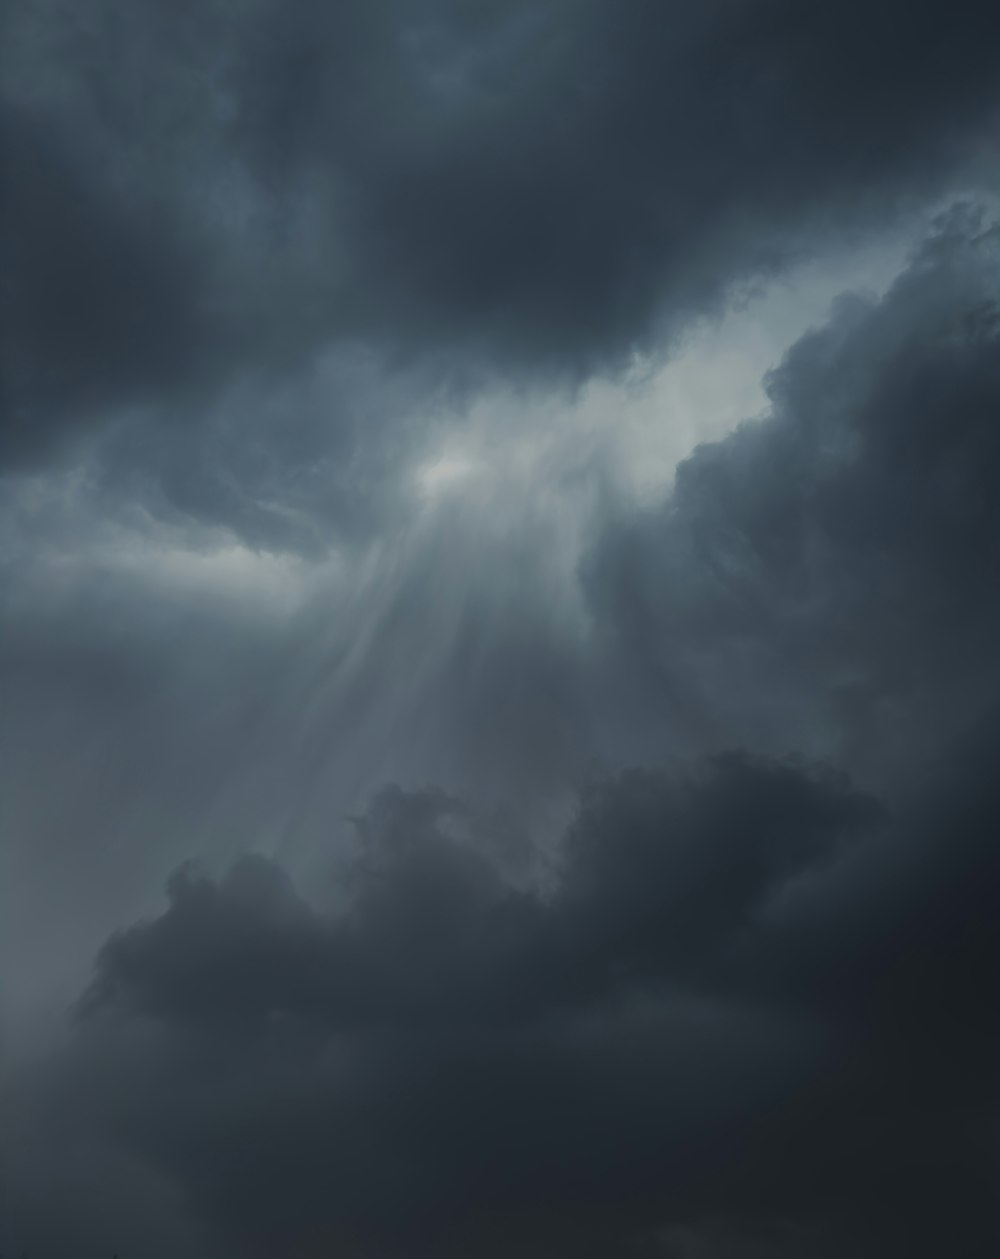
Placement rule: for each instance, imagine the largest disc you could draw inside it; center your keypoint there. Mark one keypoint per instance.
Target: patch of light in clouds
(646, 422)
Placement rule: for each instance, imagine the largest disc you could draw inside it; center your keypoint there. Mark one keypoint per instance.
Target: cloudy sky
(500, 567)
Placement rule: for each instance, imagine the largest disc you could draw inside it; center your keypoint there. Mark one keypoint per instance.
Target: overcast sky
(499, 605)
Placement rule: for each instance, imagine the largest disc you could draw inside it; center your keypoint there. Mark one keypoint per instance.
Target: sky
(499, 697)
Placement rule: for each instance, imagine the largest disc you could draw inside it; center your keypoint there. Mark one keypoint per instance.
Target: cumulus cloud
(821, 577)
(749, 999)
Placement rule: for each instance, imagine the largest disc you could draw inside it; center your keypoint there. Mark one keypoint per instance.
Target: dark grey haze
(422, 838)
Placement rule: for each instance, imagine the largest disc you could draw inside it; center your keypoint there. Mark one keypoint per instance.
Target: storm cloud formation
(460, 796)
(829, 569)
(502, 185)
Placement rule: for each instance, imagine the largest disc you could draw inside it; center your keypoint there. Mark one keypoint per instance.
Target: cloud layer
(742, 1005)
(327, 339)
(750, 1001)
(527, 187)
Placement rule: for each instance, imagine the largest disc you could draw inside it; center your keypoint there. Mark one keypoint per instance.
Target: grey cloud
(97, 298)
(382, 1080)
(504, 187)
(822, 576)
(737, 1005)
(299, 465)
(700, 850)
(753, 608)
(161, 701)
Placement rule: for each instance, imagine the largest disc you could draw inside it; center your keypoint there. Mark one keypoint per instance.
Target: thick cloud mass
(200, 191)
(741, 1006)
(825, 574)
(749, 998)
(676, 935)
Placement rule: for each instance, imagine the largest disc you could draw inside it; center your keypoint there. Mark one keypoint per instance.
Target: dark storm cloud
(97, 298)
(821, 581)
(824, 576)
(740, 1006)
(161, 700)
(204, 192)
(434, 921)
(743, 1008)
(749, 1002)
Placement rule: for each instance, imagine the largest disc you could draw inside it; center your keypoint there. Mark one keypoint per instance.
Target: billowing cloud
(747, 999)
(198, 196)
(736, 1006)
(349, 355)
(821, 577)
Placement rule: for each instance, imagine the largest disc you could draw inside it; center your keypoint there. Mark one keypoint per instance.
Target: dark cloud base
(744, 1008)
